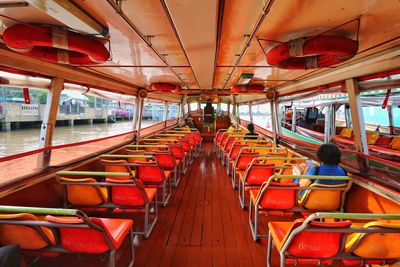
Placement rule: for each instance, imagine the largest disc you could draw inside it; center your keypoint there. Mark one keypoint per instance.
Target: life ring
(55, 44)
(248, 89)
(312, 52)
(165, 87)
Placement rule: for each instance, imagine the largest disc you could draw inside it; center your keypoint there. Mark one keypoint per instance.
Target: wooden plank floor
(203, 225)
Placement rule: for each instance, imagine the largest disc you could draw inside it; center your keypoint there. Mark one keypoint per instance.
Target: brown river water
(18, 141)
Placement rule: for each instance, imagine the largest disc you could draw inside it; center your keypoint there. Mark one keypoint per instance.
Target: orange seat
(81, 194)
(92, 240)
(152, 175)
(375, 245)
(303, 245)
(270, 200)
(346, 133)
(255, 175)
(372, 137)
(395, 143)
(74, 232)
(117, 166)
(243, 159)
(27, 237)
(135, 196)
(138, 199)
(324, 200)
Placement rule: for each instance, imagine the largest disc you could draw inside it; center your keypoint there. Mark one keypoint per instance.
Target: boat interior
(230, 102)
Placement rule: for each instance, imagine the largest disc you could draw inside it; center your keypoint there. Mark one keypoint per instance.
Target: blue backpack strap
(316, 172)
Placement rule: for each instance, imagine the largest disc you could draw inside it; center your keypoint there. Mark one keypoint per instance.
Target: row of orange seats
(128, 182)
(374, 138)
(267, 175)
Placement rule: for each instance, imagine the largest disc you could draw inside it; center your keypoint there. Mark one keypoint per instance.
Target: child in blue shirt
(329, 155)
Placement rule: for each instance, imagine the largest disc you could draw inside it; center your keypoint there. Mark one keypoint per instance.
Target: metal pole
(273, 120)
(139, 117)
(49, 120)
(250, 112)
(165, 114)
(136, 116)
(327, 124)
(294, 119)
(277, 121)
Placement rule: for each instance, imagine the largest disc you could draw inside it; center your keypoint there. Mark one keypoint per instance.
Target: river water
(18, 141)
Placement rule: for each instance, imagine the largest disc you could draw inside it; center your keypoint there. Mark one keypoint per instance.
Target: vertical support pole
(139, 118)
(273, 120)
(347, 116)
(294, 119)
(328, 123)
(391, 123)
(165, 114)
(49, 120)
(277, 120)
(360, 137)
(181, 113)
(234, 115)
(251, 112)
(136, 116)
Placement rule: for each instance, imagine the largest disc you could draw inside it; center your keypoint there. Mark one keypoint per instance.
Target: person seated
(329, 155)
(251, 134)
(189, 122)
(301, 122)
(208, 112)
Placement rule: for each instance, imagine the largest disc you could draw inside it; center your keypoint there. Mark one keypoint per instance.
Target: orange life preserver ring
(165, 87)
(55, 44)
(312, 52)
(248, 89)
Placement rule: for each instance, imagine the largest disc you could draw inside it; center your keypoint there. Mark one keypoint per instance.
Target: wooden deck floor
(203, 225)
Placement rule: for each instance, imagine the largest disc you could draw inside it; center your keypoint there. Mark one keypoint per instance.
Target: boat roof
(205, 46)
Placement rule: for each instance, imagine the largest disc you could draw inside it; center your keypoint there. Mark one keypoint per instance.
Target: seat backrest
(323, 200)
(395, 143)
(235, 150)
(116, 166)
(376, 245)
(197, 136)
(185, 144)
(244, 159)
(372, 137)
(177, 150)
(317, 244)
(229, 144)
(383, 141)
(78, 194)
(165, 159)
(27, 237)
(149, 172)
(259, 173)
(190, 137)
(80, 239)
(133, 196)
(137, 153)
(219, 136)
(346, 133)
(278, 199)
